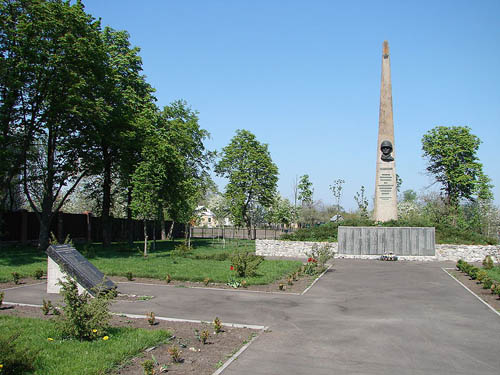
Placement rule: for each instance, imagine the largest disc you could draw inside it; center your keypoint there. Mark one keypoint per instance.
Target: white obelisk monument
(386, 205)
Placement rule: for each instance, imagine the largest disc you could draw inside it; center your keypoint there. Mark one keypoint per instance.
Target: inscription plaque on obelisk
(386, 207)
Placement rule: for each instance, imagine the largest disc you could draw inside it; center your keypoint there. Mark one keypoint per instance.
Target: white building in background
(206, 218)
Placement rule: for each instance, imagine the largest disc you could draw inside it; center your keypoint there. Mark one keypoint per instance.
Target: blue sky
(304, 77)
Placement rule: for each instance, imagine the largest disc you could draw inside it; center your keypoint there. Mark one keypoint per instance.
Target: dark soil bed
(491, 299)
(297, 286)
(197, 358)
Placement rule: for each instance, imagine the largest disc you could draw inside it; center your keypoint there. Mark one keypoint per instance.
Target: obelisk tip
(386, 48)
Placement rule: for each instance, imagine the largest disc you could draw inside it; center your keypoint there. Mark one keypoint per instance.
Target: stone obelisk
(386, 207)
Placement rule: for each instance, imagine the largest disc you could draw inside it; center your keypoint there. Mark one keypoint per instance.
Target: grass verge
(494, 273)
(76, 357)
(209, 259)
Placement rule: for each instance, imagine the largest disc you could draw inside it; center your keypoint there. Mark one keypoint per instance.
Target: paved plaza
(361, 317)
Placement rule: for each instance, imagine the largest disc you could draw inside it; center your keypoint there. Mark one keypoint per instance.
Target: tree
(282, 212)
(172, 172)
(362, 202)
(305, 191)
(451, 154)
(409, 195)
(124, 94)
(336, 189)
(56, 55)
(252, 176)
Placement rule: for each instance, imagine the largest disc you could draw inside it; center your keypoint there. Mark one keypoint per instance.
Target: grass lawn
(494, 273)
(77, 357)
(208, 259)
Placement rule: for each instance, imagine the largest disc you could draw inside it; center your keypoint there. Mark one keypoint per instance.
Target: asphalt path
(361, 317)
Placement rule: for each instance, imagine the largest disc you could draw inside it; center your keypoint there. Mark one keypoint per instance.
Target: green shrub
(16, 277)
(481, 275)
(487, 282)
(130, 276)
(245, 263)
(445, 232)
(488, 262)
(460, 264)
(473, 272)
(88, 251)
(38, 274)
(321, 253)
(84, 317)
(14, 358)
(1, 298)
(182, 250)
(148, 366)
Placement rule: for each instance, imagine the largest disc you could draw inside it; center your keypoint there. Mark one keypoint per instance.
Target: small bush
(204, 336)
(245, 263)
(175, 353)
(481, 275)
(129, 276)
(487, 282)
(182, 250)
(473, 272)
(168, 278)
(151, 318)
(16, 277)
(488, 262)
(148, 367)
(88, 251)
(46, 307)
(217, 325)
(14, 358)
(1, 298)
(83, 318)
(206, 281)
(38, 274)
(321, 254)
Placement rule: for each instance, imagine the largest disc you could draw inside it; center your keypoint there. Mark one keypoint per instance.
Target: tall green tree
(282, 212)
(451, 154)
(252, 176)
(172, 172)
(124, 94)
(306, 191)
(57, 57)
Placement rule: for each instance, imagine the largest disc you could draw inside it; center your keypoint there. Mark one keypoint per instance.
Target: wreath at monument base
(389, 256)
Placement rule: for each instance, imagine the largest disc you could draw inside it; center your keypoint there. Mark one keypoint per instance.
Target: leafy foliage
(15, 359)
(445, 231)
(452, 159)
(245, 263)
(252, 176)
(84, 317)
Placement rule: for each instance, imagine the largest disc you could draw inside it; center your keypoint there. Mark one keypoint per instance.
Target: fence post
(89, 225)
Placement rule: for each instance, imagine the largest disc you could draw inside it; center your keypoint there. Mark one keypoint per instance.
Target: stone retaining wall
(469, 253)
(300, 249)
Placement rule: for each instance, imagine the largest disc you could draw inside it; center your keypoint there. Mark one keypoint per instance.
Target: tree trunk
(130, 223)
(162, 224)
(145, 227)
(106, 199)
(170, 234)
(187, 239)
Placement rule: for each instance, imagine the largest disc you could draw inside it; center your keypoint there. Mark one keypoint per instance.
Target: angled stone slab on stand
(65, 259)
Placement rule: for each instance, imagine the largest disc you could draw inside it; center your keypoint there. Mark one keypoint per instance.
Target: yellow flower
(1, 366)
(105, 338)
(50, 339)
(94, 330)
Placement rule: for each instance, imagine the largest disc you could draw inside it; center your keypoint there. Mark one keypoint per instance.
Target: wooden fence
(238, 233)
(24, 227)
